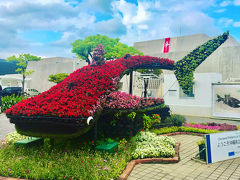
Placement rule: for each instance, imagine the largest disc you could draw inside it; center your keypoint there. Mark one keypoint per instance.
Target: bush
(8, 101)
(149, 121)
(172, 129)
(150, 145)
(14, 137)
(201, 142)
(176, 120)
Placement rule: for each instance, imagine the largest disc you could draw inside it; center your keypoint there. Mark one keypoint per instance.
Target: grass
(70, 160)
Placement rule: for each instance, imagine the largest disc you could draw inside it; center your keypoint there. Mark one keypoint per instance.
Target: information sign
(222, 146)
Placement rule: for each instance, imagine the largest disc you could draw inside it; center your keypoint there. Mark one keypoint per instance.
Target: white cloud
(160, 19)
(131, 22)
(225, 3)
(236, 24)
(237, 2)
(220, 10)
(226, 22)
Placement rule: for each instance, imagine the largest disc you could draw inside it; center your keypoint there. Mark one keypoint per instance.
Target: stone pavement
(188, 169)
(5, 126)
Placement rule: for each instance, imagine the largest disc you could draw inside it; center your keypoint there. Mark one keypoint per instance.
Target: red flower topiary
(78, 94)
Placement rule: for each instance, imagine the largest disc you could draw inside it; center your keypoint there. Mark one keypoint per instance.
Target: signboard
(226, 100)
(166, 45)
(222, 146)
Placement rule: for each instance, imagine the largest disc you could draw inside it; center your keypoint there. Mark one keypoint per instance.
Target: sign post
(222, 146)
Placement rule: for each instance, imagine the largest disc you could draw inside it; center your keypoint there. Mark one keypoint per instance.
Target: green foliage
(132, 115)
(201, 142)
(176, 120)
(150, 145)
(172, 129)
(157, 72)
(185, 67)
(14, 137)
(148, 121)
(57, 78)
(22, 61)
(113, 48)
(8, 101)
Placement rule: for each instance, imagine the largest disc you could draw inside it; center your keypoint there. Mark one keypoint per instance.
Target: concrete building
(221, 66)
(47, 66)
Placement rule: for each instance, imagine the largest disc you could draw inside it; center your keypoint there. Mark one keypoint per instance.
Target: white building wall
(201, 104)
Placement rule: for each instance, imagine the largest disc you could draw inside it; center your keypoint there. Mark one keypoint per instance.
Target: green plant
(172, 129)
(132, 115)
(8, 101)
(22, 62)
(185, 67)
(14, 137)
(150, 145)
(201, 142)
(156, 119)
(146, 122)
(57, 78)
(176, 120)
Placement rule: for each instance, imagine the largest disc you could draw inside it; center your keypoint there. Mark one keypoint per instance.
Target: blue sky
(48, 27)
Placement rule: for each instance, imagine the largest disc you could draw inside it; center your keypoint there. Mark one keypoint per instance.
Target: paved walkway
(5, 126)
(188, 169)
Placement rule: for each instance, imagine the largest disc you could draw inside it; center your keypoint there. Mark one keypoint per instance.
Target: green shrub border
(173, 129)
(185, 67)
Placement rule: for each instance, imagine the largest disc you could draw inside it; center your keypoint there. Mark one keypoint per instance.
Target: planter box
(202, 152)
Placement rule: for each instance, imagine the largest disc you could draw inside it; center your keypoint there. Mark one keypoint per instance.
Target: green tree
(22, 61)
(57, 78)
(114, 49)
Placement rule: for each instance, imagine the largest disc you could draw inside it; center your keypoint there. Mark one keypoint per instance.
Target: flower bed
(74, 159)
(150, 145)
(213, 126)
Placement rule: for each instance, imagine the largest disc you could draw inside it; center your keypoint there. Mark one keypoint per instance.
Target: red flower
(27, 171)
(92, 141)
(82, 161)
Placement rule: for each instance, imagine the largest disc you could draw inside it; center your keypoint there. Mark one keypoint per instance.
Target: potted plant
(202, 149)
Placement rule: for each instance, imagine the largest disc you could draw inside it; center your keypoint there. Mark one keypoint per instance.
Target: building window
(183, 95)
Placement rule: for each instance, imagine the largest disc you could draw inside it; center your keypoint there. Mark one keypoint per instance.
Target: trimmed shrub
(176, 120)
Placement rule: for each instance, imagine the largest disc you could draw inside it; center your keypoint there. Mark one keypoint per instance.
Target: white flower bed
(150, 145)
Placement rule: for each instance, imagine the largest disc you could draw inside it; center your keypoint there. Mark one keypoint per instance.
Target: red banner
(166, 45)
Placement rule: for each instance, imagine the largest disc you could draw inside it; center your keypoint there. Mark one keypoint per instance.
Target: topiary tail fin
(185, 67)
